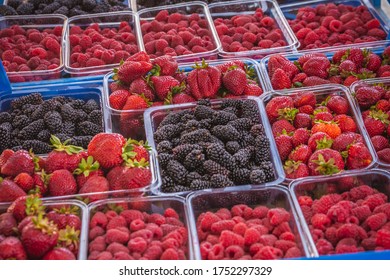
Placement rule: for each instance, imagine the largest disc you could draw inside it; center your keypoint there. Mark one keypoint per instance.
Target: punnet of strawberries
(334, 24)
(148, 229)
(316, 133)
(373, 100)
(349, 214)
(312, 69)
(112, 165)
(31, 230)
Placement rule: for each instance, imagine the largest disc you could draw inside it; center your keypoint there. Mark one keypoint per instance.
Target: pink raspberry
(369, 244)
(268, 253)
(320, 221)
(104, 256)
(324, 247)
(251, 236)
(170, 243)
(383, 238)
(117, 235)
(169, 254)
(213, 239)
(229, 238)
(234, 252)
(351, 231)
(284, 245)
(361, 192)
(117, 247)
(95, 232)
(346, 245)
(98, 244)
(171, 213)
(376, 221)
(99, 219)
(277, 216)
(220, 226)
(289, 236)
(240, 228)
(361, 212)
(205, 248)
(116, 222)
(216, 252)
(131, 215)
(375, 200)
(153, 252)
(323, 204)
(268, 239)
(40, 52)
(208, 219)
(156, 218)
(144, 233)
(282, 228)
(293, 252)
(137, 244)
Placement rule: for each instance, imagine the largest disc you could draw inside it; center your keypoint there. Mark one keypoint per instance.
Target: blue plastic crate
(5, 86)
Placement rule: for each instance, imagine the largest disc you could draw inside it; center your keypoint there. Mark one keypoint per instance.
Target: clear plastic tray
(83, 217)
(139, 5)
(271, 196)
(248, 7)
(322, 92)
(154, 205)
(317, 187)
(186, 9)
(153, 117)
(107, 20)
(370, 82)
(40, 23)
(138, 114)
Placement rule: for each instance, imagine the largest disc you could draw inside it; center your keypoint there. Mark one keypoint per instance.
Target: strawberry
(301, 153)
(379, 142)
(26, 206)
(140, 86)
(19, 162)
(346, 68)
(280, 80)
(59, 253)
(376, 122)
(40, 182)
(304, 58)
(182, 98)
(338, 56)
(275, 104)
(39, 237)
(330, 128)
(358, 156)
(131, 70)
(8, 224)
(62, 182)
(295, 170)
(319, 141)
(24, 181)
(69, 238)
(356, 55)
(12, 249)
(373, 62)
(305, 98)
(325, 162)
(114, 86)
(300, 136)
(65, 216)
(136, 152)
(284, 146)
(107, 149)
(163, 85)
(350, 80)
(132, 178)
(384, 155)
(342, 141)
(252, 90)
(63, 156)
(317, 66)
(5, 155)
(383, 105)
(314, 81)
(165, 65)
(235, 81)
(302, 120)
(87, 169)
(95, 184)
(346, 123)
(118, 99)
(367, 96)
(204, 81)
(279, 62)
(228, 65)
(321, 116)
(9, 191)
(338, 104)
(139, 56)
(282, 127)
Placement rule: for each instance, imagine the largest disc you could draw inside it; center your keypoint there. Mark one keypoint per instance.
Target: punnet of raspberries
(351, 217)
(141, 83)
(154, 3)
(31, 48)
(136, 232)
(331, 24)
(95, 46)
(205, 147)
(177, 34)
(31, 230)
(374, 102)
(111, 166)
(345, 67)
(316, 134)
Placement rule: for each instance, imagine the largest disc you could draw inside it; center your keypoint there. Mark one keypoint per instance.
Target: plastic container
(290, 10)
(248, 7)
(317, 187)
(137, 115)
(370, 82)
(376, 47)
(83, 214)
(149, 205)
(186, 9)
(107, 20)
(154, 116)
(271, 196)
(5, 86)
(321, 93)
(142, 4)
(40, 23)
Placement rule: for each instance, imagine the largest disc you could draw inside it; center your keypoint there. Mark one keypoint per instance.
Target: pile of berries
(204, 147)
(356, 220)
(247, 233)
(154, 3)
(335, 25)
(374, 103)
(141, 83)
(316, 134)
(132, 234)
(111, 165)
(249, 32)
(94, 46)
(345, 67)
(31, 120)
(176, 34)
(25, 49)
(29, 230)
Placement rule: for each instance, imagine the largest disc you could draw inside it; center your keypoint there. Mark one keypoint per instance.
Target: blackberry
(42, 109)
(7, 11)
(28, 109)
(215, 140)
(172, 118)
(25, 9)
(63, 137)
(257, 130)
(243, 156)
(89, 5)
(49, 9)
(15, 133)
(32, 99)
(5, 117)
(96, 117)
(88, 128)
(268, 169)
(187, 117)
(225, 132)
(81, 141)
(192, 176)
(242, 124)
(17, 148)
(99, 9)
(247, 139)
(44, 136)
(14, 3)
(197, 185)
(203, 112)
(61, 99)
(235, 103)
(167, 184)
(200, 135)
(164, 147)
(166, 132)
(180, 152)
(15, 112)
(231, 110)
(241, 176)
(257, 176)
(53, 121)
(204, 102)
(119, 8)
(76, 12)
(194, 159)
(205, 123)
(178, 188)
(163, 159)
(222, 117)
(37, 146)
(192, 125)
(77, 103)
(68, 128)
(177, 171)
(81, 115)
(232, 147)
(32, 130)
(262, 149)
(221, 181)
(68, 113)
(5, 135)
(218, 154)
(62, 11)
(250, 110)
(90, 105)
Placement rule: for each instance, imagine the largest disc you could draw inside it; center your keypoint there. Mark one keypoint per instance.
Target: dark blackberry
(247, 139)
(44, 136)
(197, 185)
(225, 132)
(119, 8)
(192, 176)
(175, 142)
(91, 105)
(62, 11)
(53, 121)
(177, 171)
(15, 133)
(218, 154)
(88, 128)
(200, 135)
(257, 176)
(38, 147)
(166, 132)
(187, 117)
(268, 169)
(231, 110)
(172, 118)
(232, 147)
(81, 141)
(68, 128)
(64, 137)
(96, 117)
(25, 9)
(178, 188)
(42, 109)
(7, 11)
(204, 102)
(68, 113)
(235, 103)
(243, 156)
(76, 12)
(262, 149)
(28, 109)
(242, 124)
(192, 125)
(32, 99)
(163, 159)
(222, 117)
(164, 147)
(241, 176)
(77, 103)
(205, 123)
(61, 99)
(167, 184)
(257, 130)
(203, 112)
(15, 113)
(89, 5)
(5, 117)
(17, 148)
(100, 9)
(180, 152)
(215, 140)
(81, 115)
(250, 110)
(32, 130)
(49, 9)
(193, 160)
(5, 135)
(14, 3)
(221, 181)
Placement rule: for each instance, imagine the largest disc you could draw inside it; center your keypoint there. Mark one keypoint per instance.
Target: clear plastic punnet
(355, 186)
(111, 21)
(321, 93)
(149, 14)
(147, 205)
(270, 196)
(40, 23)
(154, 116)
(271, 9)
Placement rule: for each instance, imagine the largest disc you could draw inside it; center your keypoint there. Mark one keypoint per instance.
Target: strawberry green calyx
(326, 167)
(64, 147)
(115, 207)
(148, 102)
(324, 103)
(380, 115)
(36, 161)
(34, 205)
(87, 166)
(298, 65)
(44, 224)
(156, 70)
(129, 152)
(250, 72)
(203, 65)
(319, 110)
(333, 70)
(115, 76)
(135, 163)
(288, 114)
(68, 236)
(290, 166)
(70, 210)
(297, 85)
(324, 143)
(1, 179)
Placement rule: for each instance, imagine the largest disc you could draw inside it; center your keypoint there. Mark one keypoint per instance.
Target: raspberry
(320, 221)
(213, 239)
(376, 221)
(169, 254)
(234, 252)
(137, 224)
(224, 214)
(117, 247)
(157, 231)
(240, 228)
(171, 213)
(186, 36)
(115, 222)
(137, 244)
(260, 212)
(217, 252)
(220, 226)
(99, 219)
(268, 239)
(383, 238)
(277, 216)
(346, 245)
(289, 236)
(254, 248)
(361, 192)
(369, 244)
(179, 235)
(282, 228)
(284, 245)
(384, 208)
(144, 233)
(40, 52)
(156, 218)
(351, 231)
(325, 203)
(251, 236)
(268, 253)
(305, 200)
(205, 248)
(131, 215)
(104, 256)
(375, 200)
(153, 252)
(98, 244)
(116, 235)
(337, 213)
(170, 243)
(293, 252)
(324, 247)
(335, 25)
(95, 232)
(229, 238)
(239, 210)
(208, 219)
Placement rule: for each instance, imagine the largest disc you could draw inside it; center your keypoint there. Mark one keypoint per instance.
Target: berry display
(154, 3)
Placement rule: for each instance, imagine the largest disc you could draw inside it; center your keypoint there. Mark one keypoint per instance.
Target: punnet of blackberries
(214, 145)
(32, 119)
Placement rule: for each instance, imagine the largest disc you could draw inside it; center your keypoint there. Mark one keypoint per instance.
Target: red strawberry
(275, 104)
(346, 123)
(136, 153)
(235, 81)
(19, 162)
(12, 249)
(59, 254)
(295, 170)
(314, 81)
(282, 127)
(252, 90)
(301, 153)
(280, 80)
(163, 85)
(383, 105)
(280, 62)
(338, 56)
(304, 58)
(284, 145)
(167, 66)
(317, 66)
(8, 224)
(342, 141)
(114, 86)
(325, 162)
(131, 70)
(376, 122)
(384, 155)
(321, 116)
(338, 104)
(379, 142)
(350, 80)
(132, 178)
(9, 191)
(87, 168)
(25, 181)
(235, 63)
(118, 99)
(319, 141)
(141, 87)
(182, 98)
(373, 62)
(367, 96)
(95, 184)
(62, 182)
(305, 98)
(5, 155)
(356, 55)
(40, 182)
(69, 238)
(26, 206)
(302, 120)
(300, 136)
(140, 56)
(358, 156)
(204, 81)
